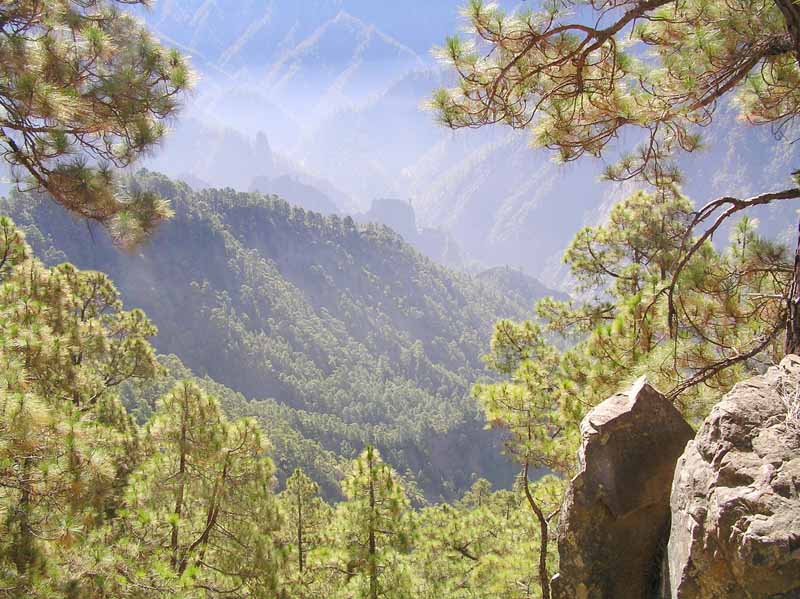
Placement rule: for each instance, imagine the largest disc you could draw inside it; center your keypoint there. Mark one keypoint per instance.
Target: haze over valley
(328, 100)
(359, 299)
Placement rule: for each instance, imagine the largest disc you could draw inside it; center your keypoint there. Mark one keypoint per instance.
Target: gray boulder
(615, 518)
(736, 496)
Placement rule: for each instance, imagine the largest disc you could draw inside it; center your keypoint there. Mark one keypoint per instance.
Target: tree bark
(373, 550)
(791, 14)
(178, 511)
(300, 532)
(544, 575)
(793, 301)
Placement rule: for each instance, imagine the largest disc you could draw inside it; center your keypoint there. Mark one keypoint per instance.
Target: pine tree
(528, 408)
(301, 499)
(658, 67)
(306, 531)
(481, 547)
(201, 514)
(67, 447)
(85, 88)
(375, 530)
(723, 323)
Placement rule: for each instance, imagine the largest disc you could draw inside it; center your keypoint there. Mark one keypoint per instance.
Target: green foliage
(92, 505)
(526, 402)
(200, 509)
(726, 326)
(483, 547)
(350, 336)
(306, 530)
(660, 68)
(67, 447)
(290, 449)
(374, 545)
(374, 527)
(86, 88)
(89, 504)
(358, 341)
(365, 547)
(727, 309)
(662, 300)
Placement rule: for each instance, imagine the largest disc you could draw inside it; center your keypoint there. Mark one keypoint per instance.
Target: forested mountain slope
(356, 336)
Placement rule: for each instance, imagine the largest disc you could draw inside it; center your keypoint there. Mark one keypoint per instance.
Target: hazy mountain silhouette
(339, 87)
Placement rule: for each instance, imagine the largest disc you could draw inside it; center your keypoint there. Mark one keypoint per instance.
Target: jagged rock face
(615, 518)
(736, 496)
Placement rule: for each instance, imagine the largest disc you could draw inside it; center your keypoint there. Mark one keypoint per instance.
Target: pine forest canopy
(85, 89)
(353, 336)
(137, 528)
(93, 505)
(538, 395)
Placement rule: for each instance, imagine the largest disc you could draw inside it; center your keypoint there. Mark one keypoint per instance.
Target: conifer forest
(330, 299)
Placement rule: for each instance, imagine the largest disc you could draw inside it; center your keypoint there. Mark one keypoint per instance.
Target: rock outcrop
(736, 496)
(615, 518)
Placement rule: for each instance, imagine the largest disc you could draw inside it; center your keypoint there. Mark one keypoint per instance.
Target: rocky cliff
(618, 504)
(736, 496)
(656, 514)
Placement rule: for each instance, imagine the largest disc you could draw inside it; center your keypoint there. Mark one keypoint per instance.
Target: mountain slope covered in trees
(355, 336)
(95, 505)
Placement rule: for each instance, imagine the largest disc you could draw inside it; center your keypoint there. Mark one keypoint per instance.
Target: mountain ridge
(343, 61)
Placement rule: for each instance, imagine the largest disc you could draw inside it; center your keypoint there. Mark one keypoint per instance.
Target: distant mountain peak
(345, 17)
(339, 23)
(342, 62)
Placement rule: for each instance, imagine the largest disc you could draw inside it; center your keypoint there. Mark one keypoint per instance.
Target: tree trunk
(300, 532)
(544, 575)
(23, 550)
(791, 14)
(793, 300)
(178, 511)
(373, 566)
